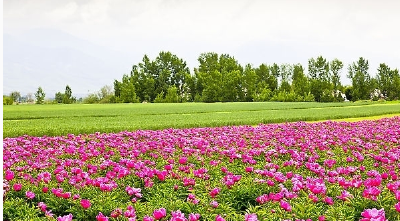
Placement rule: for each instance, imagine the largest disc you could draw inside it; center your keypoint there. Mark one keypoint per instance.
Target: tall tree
(360, 78)
(128, 94)
(318, 69)
(40, 96)
(249, 82)
(15, 96)
(335, 67)
(67, 99)
(300, 82)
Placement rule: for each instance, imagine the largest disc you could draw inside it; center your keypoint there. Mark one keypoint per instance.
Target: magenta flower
(321, 218)
(178, 216)
(219, 218)
(328, 200)
(85, 203)
(250, 217)
(17, 187)
(9, 175)
(42, 206)
(30, 194)
(159, 213)
(65, 218)
(115, 213)
(397, 207)
(373, 215)
(101, 217)
(148, 218)
(214, 204)
(214, 192)
(285, 205)
(182, 160)
(194, 217)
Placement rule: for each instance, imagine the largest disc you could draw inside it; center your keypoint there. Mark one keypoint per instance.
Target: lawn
(54, 120)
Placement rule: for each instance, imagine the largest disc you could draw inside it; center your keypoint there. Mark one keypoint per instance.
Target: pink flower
(285, 205)
(397, 207)
(42, 206)
(321, 218)
(214, 204)
(29, 194)
(250, 217)
(178, 216)
(159, 213)
(214, 192)
(219, 218)
(194, 217)
(101, 217)
(117, 212)
(65, 218)
(249, 169)
(148, 218)
(17, 187)
(45, 189)
(9, 175)
(85, 203)
(76, 196)
(373, 214)
(328, 200)
(182, 160)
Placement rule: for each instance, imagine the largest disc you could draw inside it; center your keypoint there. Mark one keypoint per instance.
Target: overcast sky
(263, 31)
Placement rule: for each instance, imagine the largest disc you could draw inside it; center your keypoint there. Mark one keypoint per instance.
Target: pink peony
(17, 187)
(42, 206)
(85, 203)
(397, 207)
(373, 214)
(219, 218)
(148, 218)
(250, 217)
(194, 217)
(65, 218)
(29, 194)
(159, 213)
(101, 217)
(285, 205)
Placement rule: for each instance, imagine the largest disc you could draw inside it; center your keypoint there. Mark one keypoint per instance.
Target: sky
(89, 43)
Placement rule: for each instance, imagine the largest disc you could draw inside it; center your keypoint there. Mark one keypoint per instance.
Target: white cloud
(253, 31)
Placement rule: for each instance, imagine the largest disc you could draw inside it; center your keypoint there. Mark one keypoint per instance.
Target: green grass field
(53, 120)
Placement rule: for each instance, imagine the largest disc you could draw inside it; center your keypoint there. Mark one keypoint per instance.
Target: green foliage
(172, 95)
(7, 100)
(19, 209)
(40, 96)
(15, 96)
(51, 120)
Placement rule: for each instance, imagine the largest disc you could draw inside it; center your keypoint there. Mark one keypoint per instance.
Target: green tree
(172, 95)
(318, 70)
(249, 82)
(388, 81)
(335, 68)
(91, 99)
(15, 96)
(67, 98)
(360, 78)
(219, 78)
(7, 100)
(128, 94)
(59, 97)
(300, 82)
(40, 96)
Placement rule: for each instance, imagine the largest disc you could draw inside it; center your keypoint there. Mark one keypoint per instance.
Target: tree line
(220, 78)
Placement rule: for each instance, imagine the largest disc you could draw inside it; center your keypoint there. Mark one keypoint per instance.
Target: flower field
(291, 171)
